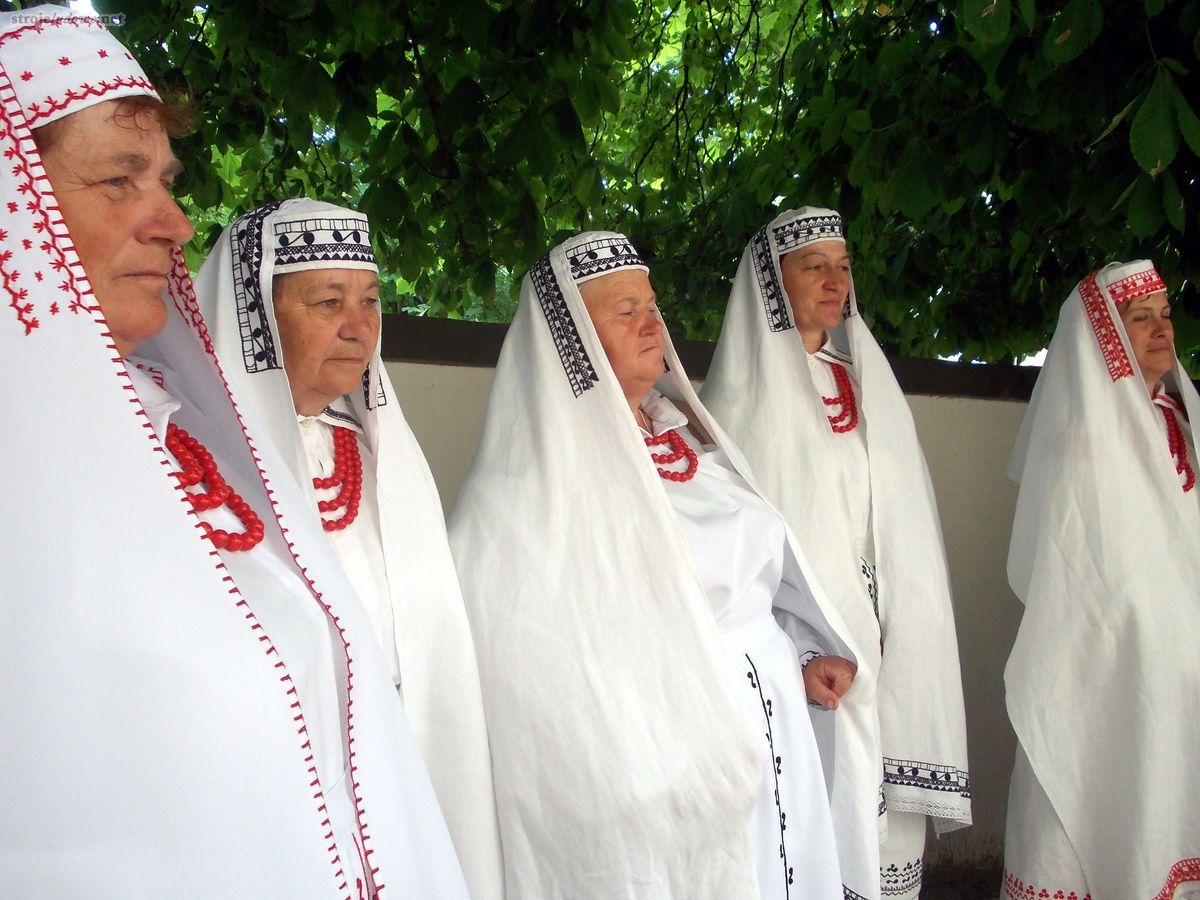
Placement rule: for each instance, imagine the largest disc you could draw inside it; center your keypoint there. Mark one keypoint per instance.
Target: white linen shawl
(760, 389)
(624, 766)
(1103, 682)
(439, 675)
(153, 741)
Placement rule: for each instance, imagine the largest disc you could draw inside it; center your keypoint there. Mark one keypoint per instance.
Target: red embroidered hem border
(1016, 889)
(1181, 873)
(1184, 871)
(1105, 329)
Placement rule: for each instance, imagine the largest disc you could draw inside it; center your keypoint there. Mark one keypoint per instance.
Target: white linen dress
(740, 549)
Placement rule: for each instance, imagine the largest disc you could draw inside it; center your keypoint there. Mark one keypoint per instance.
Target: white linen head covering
(440, 679)
(623, 764)
(1104, 677)
(761, 390)
(61, 62)
(152, 732)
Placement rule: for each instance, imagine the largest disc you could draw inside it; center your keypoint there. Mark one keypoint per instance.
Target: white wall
(967, 443)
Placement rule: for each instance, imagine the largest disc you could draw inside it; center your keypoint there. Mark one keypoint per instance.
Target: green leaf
(1154, 136)
(1114, 122)
(987, 20)
(1154, 7)
(1029, 14)
(1073, 31)
(913, 184)
(1145, 210)
(1173, 203)
(1189, 124)
(831, 131)
(859, 120)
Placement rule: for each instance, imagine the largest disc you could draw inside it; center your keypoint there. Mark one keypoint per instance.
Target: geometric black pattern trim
(848, 894)
(882, 798)
(575, 360)
(769, 287)
(806, 230)
(246, 241)
(900, 882)
(911, 773)
(380, 396)
(305, 241)
(341, 416)
(777, 765)
(602, 255)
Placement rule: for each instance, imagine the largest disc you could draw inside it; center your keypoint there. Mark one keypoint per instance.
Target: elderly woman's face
(1147, 321)
(621, 306)
(112, 176)
(817, 281)
(328, 325)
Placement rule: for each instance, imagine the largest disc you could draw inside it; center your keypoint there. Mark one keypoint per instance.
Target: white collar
(149, 382)
(828, 353)
(337, 414)
(1162, 398)
(662, 413)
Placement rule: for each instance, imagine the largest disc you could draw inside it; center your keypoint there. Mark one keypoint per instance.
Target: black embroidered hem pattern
(897, 882)
(931, 777)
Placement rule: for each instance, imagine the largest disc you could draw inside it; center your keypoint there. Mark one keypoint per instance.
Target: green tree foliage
(986, 153)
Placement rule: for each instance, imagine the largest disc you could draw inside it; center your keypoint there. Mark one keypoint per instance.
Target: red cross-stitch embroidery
(1105, 329)
(1131, 287)
(51, 106)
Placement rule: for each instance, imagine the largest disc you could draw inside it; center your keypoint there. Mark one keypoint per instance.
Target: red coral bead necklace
(679, 450)
(200, 467)
(1178, 448)
(845, 420)
(347, 476)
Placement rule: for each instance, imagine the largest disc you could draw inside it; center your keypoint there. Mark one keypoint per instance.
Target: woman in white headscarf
(193, 702)
(648, 721)
(291, 297)
(1103, 682)
(800, 383)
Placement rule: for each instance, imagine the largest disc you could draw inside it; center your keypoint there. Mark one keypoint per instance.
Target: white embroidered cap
(60, 62)
(595, 253)
(1130, 281)
(312, 234)
(809, 225)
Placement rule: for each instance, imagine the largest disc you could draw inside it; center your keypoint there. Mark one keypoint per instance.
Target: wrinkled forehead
(304, 281)
(618, 288)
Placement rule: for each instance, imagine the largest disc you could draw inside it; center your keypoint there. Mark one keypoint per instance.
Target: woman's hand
(826, 678)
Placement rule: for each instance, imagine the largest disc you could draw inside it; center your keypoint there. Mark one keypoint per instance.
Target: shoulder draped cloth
(152, 743)
(624, 766)
(760, 389)
(1103, 682)
(439, 676)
